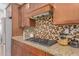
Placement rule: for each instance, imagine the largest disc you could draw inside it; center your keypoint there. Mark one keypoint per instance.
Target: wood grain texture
(21, 49)
(16, 30)
(66, 13)
(25, 21)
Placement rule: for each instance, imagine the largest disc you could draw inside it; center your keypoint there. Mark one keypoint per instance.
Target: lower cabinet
(17, 49)
(21, 49)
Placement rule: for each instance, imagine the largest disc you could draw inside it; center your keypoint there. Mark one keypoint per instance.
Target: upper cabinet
(24, 20)
(40, 8)
(16, 30)
(66, 14)
(27, 11)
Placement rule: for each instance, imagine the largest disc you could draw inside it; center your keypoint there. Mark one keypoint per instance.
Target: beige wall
(66, 13)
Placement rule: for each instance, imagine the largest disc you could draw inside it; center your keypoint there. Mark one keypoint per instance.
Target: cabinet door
(26, 50)
(16, 30)
(14, 50)
(47, 54)
(27, 53)
(17, 49)
(37, 52)
(32, 51)
(34, 6)
(30, 7)
(21, 49)
(24, 19)
(23, 14)
(21, 17)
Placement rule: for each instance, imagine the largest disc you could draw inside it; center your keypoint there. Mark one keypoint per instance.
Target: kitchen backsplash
(47, 30)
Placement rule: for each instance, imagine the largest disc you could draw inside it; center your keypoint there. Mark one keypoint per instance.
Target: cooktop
(45, 42)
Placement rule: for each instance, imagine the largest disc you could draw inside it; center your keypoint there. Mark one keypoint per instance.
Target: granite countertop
(55, 49)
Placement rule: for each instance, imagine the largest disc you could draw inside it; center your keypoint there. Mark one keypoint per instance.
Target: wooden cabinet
(40, 8)
(34, 6)
(30, 7)
(26, 11)
(21, 49)
(21, 15)
(66, 22)
(34, 51)
(47, 54)
(16, 30)
(17, 49)
(24, 20)
(66, 14)
(27, 50)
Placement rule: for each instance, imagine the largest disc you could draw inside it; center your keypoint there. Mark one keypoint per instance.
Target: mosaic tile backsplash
(47, 30)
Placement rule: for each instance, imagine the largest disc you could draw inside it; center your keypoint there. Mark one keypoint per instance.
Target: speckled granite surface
(56, 49)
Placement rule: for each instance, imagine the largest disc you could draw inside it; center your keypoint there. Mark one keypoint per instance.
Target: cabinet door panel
(16, 30)
(24, 12)
(38, 52)
(35, 51)
(16, 49)
(21, 49)
(47, 54)
(27, 53)
(26, 50)
(34, 6)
